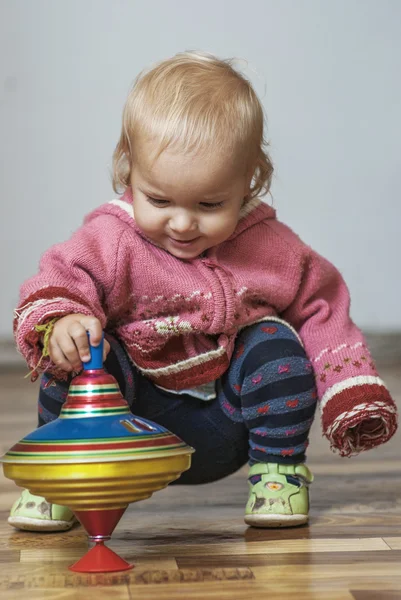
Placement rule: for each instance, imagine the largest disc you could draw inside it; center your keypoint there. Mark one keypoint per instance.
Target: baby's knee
(269, 340)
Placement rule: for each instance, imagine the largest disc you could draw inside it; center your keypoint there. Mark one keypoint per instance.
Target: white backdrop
(328, 73)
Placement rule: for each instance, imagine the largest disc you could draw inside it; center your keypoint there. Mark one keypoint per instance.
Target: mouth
(183, 243)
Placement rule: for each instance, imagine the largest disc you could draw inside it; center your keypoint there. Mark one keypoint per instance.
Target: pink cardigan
(179, 319)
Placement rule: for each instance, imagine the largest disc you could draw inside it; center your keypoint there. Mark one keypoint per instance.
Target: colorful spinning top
(97, 458)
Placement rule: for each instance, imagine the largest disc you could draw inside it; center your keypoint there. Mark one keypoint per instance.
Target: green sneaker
(278, 495)
(34, 513)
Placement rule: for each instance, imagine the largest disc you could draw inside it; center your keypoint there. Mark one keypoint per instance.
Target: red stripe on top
(81, 402)
(90, 447)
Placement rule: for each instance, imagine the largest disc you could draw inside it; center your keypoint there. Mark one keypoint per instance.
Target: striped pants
(263, 411)
(270, 387)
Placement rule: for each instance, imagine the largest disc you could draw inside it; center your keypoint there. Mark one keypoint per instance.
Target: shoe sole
(275, 520)
(27, 524)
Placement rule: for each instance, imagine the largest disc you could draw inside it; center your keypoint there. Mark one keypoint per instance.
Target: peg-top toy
(97, 458)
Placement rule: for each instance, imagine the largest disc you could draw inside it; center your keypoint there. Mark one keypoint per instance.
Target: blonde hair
(194, 101)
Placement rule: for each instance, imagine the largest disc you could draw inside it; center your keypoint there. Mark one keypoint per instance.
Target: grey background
(328, 73)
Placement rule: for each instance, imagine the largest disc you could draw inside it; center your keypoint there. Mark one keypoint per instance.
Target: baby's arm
(357, 410)
(75, 277)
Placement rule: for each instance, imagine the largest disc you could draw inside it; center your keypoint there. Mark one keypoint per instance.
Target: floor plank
(191, 542)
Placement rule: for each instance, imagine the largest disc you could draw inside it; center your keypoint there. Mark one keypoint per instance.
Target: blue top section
(96, 361)
(92, 428)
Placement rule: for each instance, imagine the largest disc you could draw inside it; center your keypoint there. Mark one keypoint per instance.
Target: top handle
(96, 359)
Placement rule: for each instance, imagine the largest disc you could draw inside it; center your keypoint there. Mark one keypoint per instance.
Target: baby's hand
(68, 344)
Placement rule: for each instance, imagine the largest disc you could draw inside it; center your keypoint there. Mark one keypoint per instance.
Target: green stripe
(73, 392)
(99, 453)
(94, 440)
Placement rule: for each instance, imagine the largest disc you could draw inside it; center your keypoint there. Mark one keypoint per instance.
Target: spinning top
(97, 458)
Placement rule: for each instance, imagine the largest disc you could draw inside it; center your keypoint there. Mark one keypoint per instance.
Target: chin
(184, 255)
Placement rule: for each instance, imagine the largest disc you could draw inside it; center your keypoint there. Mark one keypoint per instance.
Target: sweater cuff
(30, 340)
(358, 414)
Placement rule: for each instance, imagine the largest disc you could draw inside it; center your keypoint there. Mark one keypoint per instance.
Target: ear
(248, 181)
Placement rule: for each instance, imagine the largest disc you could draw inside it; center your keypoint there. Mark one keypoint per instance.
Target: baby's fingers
(80, 340)
(106, 349)
(58, 357)
(94, 327)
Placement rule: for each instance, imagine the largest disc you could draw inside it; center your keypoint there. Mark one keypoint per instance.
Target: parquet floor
(191, 542)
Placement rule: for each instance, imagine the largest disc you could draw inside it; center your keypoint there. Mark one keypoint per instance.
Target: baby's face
(187, 204)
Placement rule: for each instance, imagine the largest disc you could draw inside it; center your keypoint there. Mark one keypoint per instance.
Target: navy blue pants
(263, 412)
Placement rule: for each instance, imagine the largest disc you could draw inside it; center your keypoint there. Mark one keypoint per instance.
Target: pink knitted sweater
(179, 319)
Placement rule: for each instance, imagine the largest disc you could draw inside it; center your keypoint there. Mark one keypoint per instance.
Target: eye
(211, 205)
(157, 202)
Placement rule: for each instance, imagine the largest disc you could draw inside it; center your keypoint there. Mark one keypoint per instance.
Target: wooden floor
(192, 543)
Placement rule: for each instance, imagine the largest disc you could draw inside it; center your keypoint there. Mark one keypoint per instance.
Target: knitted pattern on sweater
(179, 319)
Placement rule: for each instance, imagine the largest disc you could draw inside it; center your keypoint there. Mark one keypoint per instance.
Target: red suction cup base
(100, 559)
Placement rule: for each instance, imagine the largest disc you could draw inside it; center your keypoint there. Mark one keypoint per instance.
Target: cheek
(222, 225)
(148, 221)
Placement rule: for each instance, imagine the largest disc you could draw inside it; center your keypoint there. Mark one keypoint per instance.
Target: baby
(221, 324)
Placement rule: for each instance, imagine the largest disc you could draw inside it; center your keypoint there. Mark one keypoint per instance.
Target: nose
(182, 222)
